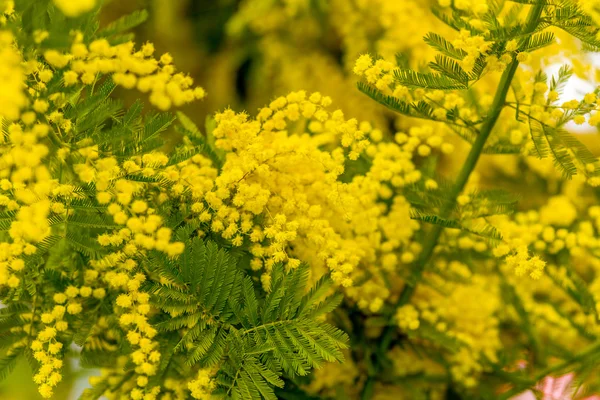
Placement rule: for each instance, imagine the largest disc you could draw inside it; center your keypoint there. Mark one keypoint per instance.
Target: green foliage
(539, 41)
(8, 363)
(558, 82)
(204, 144)
(574, 21)
(471, 218)
(444, 46)
(564, 149)
(224, 320)
(211, 313)
(124, 24)
(413, 79)
(450, 68)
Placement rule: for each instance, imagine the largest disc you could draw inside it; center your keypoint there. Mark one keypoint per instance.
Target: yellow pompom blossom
(140, 231)
(74, 8)
(387, 23)
(202, 386)
(27, 191)
(473, 46)
(12, 75)
(576, 242)
(133, 318)
(44, 173)
(47, 349)
(523, 264)
(449, 307)
(130, 68)
(407, 317)
(285, 180)
(553, 230)
(37, 199)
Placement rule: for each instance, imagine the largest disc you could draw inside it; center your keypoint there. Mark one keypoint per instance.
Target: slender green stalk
(463, 176)
(468, 167)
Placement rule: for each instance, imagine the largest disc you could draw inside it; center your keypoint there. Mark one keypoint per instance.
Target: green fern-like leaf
(125, 23)
(413, 79)
(443, 46)
(390, 102)
(450, 68)
(539, 41)
(8, 363)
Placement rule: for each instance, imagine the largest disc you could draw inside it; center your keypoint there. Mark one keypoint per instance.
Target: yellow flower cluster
(287, 178)
(546, 230)
(298, 183)
(74, 8)
(129, 68)
(26, 188)
(408, 362)
(520, 261)
(142, 230)
(407, 317)
(129, 389)
(544, 105)
(562, 324)
(29, 190)
(449, 307)
(379, 73)
(12, 76)
(46, 348)
(386, 31)
(424, 140)
(474, 46)
(41, 202)
(379, 26)
(202, 387)
(564, 231)
(133, 317)
(283, 169)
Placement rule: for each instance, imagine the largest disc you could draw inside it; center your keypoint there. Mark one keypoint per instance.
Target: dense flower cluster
(130, 69)
(13, 98)
(44, 199)
(286, 181)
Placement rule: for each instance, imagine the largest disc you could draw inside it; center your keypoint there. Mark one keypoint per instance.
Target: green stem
(367, 391)
(463, 176)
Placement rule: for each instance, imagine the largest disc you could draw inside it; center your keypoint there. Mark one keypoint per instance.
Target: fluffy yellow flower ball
(74, 8)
